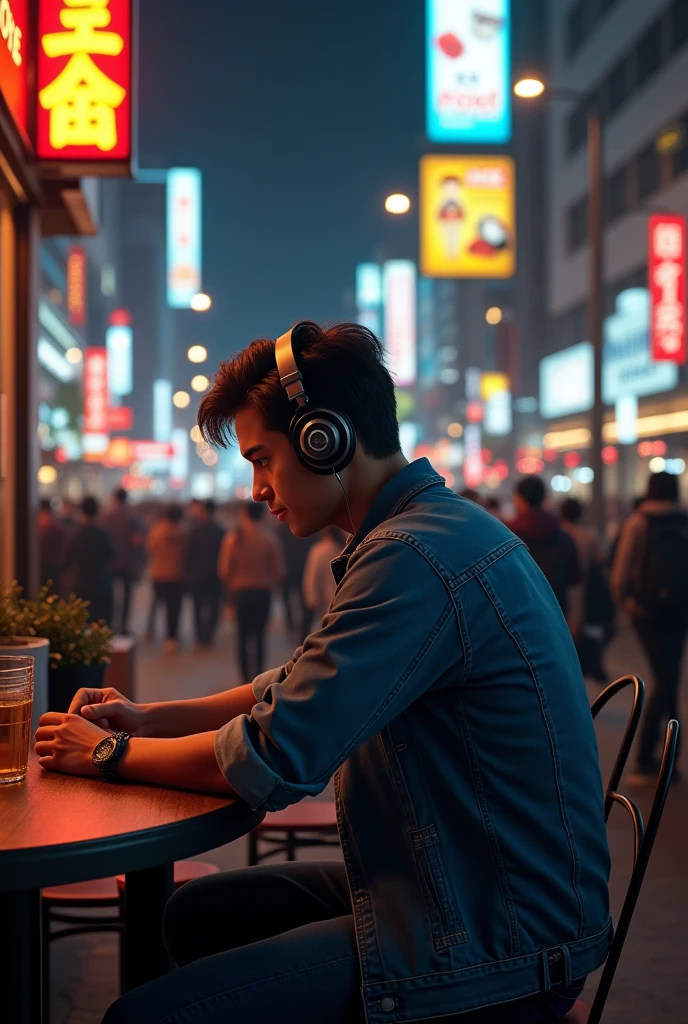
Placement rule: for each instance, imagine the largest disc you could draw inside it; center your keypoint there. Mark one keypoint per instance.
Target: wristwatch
(107, 753)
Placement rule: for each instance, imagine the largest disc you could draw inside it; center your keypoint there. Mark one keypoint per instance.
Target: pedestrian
(52, 541)
(251, 565)
(650, 581)
(494, 506)
(551, 547)
(166, 547)
(318, 581)
(297, 614)
(87, 570)
(597, 626)
(445, 696)
(127, 536)
(202, 553)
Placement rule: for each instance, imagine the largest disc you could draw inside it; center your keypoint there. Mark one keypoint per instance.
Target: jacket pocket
(445, 918)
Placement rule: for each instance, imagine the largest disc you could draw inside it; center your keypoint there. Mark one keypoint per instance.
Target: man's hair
(571, 510)
(662, 487)
(89, 507)
(120, 496)
(532, 490)
(342, 369)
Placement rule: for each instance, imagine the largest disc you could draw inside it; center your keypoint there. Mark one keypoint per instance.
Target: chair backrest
(629, 734)
(644, 840)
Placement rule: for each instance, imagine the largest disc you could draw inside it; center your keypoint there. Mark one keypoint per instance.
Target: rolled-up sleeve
(390, 632)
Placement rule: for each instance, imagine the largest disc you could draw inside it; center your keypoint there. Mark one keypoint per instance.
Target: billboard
(162, 410)
(399, 297)
(84, 83)
(667, 284)
(76, 285)
(96, 425)
(369, 296)
(183, 236)
(467, 216)
(14, 50)
(119, 342)
(468, 95)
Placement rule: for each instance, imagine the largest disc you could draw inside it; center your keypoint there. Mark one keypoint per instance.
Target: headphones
(323, 440)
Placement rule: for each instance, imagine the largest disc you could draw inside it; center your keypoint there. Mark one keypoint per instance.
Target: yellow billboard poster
(467, 216)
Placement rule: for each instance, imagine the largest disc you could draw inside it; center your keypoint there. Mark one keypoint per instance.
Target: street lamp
(530, 88)
(200, 302)
(180, 399)
(200, 382)
(397, 203)
(197, 354)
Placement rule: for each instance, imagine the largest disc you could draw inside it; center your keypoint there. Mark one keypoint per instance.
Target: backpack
(662, 583)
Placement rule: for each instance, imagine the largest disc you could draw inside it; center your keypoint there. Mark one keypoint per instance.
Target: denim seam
(492, 840)
(549, 725)
(254, 984)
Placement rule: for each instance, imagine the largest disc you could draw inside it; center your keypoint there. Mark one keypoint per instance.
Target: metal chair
(629, 734)
(643, 842)
(308, 823)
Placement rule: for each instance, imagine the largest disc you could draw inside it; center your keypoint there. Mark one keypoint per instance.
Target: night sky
(302, 116)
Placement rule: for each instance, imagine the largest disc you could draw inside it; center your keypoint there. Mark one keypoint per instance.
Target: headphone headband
(289, 373)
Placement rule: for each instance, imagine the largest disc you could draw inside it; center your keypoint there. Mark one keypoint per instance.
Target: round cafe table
(56, 829)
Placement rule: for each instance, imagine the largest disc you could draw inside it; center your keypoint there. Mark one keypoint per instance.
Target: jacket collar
(396, 493)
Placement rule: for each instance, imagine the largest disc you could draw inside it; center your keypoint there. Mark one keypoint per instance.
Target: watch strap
(108, 767)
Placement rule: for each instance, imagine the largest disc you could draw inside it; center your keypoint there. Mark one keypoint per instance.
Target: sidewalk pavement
(651, 984)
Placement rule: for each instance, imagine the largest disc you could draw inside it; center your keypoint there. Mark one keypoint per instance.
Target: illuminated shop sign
(183, 236)
(13, 59)
(399, 295)
(667, 284)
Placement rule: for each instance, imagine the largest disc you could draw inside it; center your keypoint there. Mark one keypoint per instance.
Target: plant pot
(63, 682)
(38, 648)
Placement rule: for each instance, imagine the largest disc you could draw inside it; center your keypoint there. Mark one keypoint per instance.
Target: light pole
(531, 88)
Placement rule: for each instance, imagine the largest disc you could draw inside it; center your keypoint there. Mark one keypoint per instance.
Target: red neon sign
(667, 285)
(95, 391)
(84, 80)
(14, 49)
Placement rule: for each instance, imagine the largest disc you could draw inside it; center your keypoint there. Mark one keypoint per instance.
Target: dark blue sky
(302, 115)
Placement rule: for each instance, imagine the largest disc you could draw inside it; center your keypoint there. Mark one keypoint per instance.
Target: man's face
(310, 500)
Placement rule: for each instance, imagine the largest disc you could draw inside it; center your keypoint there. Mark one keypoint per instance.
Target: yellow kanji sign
(82, 99)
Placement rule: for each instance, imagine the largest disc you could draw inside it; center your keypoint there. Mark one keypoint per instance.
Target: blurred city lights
(201, 302)
(210, 458)
(200, 382)
(197, 354)
(180, 399)
(455, 430)
(397, 203)
(46, 475)
(74, 355)
(610, 455)
(572, 459)
(529, 88)
(493, 315)
(561, 484)
(658, 464)
(675, 466)
(196, 435)
(584, 475)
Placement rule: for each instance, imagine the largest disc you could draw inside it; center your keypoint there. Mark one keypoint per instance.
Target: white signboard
(399, 291)
(183, 236)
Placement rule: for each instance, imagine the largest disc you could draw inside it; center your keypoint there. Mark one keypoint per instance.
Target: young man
(444, 694)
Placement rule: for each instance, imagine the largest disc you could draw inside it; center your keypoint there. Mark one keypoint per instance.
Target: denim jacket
(444, 693)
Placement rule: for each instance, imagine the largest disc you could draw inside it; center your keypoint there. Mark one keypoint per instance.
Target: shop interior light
(397, 203)
(74, 355)
(561, 484)
(200, 302)
(584, 475)
(529, 88)
(200, 382)
(455, 430)
(197, 354)
(561, 440)
(180, 399)
(657, 465)
(46, 475)
(493, 315)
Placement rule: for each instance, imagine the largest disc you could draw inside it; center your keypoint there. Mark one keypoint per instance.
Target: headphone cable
(346, 500)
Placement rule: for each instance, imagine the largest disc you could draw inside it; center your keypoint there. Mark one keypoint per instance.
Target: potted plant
(17, 639)
(79, 648)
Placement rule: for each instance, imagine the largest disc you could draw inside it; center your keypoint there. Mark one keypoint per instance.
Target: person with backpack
(552, 548)
(650, 581)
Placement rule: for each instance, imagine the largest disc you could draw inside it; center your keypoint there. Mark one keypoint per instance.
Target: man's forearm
(188, 762)
(175, 718)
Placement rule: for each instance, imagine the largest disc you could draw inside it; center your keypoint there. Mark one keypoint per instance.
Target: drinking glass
(16, 700)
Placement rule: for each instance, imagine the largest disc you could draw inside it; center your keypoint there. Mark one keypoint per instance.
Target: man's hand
(64, 743)
(109, 709)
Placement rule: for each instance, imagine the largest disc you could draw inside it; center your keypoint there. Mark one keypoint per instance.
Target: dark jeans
(276, 943)
(206, 604)
(252, 608)
(123, 583)
(294, 591)
(171, 595)
(662, 640)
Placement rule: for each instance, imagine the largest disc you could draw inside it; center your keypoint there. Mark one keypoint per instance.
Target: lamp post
(531, 88)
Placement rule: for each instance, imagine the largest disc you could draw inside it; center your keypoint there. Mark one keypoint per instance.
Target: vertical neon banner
(183, 236)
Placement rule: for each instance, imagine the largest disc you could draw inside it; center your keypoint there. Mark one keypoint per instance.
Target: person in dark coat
(52, 542)
(126, 533)
(88, 563)
(202, 553)
(295, 551)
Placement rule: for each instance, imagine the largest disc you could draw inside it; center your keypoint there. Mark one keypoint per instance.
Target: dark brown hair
(342, 369)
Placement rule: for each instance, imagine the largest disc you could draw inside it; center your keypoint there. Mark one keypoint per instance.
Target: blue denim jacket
(444, 693)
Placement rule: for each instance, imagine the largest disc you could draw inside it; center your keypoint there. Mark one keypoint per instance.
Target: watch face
(104, 749)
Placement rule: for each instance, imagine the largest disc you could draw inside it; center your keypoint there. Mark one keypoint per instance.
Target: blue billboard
(183, 236)
(468, 71)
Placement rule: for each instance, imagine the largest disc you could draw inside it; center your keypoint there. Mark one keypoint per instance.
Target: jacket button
(387, 1004)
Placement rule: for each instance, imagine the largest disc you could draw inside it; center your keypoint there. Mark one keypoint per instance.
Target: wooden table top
(62, 828)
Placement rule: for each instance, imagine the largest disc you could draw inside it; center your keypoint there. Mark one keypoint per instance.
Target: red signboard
(76, 285)
(14, 59)
(151, 450)
(667, 285)
(95, 391)
(121, 417)
(84, 81)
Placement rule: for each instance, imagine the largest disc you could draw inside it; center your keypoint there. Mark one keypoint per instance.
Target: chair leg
(120, 945)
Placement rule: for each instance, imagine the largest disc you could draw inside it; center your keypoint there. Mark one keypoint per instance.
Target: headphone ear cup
(324, 440)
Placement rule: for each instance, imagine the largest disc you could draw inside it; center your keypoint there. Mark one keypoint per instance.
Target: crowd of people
(640, 567)
(216, 557)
